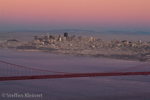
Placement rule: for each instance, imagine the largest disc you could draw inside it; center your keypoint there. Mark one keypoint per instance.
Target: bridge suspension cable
(9, 71)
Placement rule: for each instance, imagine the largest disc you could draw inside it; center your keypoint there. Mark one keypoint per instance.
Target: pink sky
(75, 14)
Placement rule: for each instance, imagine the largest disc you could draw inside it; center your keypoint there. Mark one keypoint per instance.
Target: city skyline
(97, 15)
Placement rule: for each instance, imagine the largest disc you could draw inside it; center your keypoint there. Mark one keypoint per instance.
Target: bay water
(84, 88)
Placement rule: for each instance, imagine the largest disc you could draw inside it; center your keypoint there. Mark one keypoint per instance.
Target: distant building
(80, 38)
(59, 38)
(43, 37)
(91, 39)
(139, 41)
(12, 40)
(66, 34)
(73, 37)
(35, 38)
(124, 41)
(46, 38)
(50, 36)
(47, 35)
(64, 38)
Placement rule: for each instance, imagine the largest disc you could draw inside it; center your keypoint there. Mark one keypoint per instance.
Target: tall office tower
(66, 34)
(47, 35)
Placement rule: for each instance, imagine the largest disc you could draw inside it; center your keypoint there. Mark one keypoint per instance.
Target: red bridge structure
(9, 71)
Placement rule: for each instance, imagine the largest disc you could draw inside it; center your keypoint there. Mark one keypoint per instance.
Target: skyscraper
(47, 35)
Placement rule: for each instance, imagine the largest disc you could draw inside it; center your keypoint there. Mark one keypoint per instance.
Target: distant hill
(73, 31)
(58, 30)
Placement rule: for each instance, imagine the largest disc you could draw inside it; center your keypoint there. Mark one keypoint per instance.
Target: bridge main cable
(73, 75)
(54, 74)
(16, 69)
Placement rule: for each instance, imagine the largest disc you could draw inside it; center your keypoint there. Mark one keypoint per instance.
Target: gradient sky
(99, 15)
